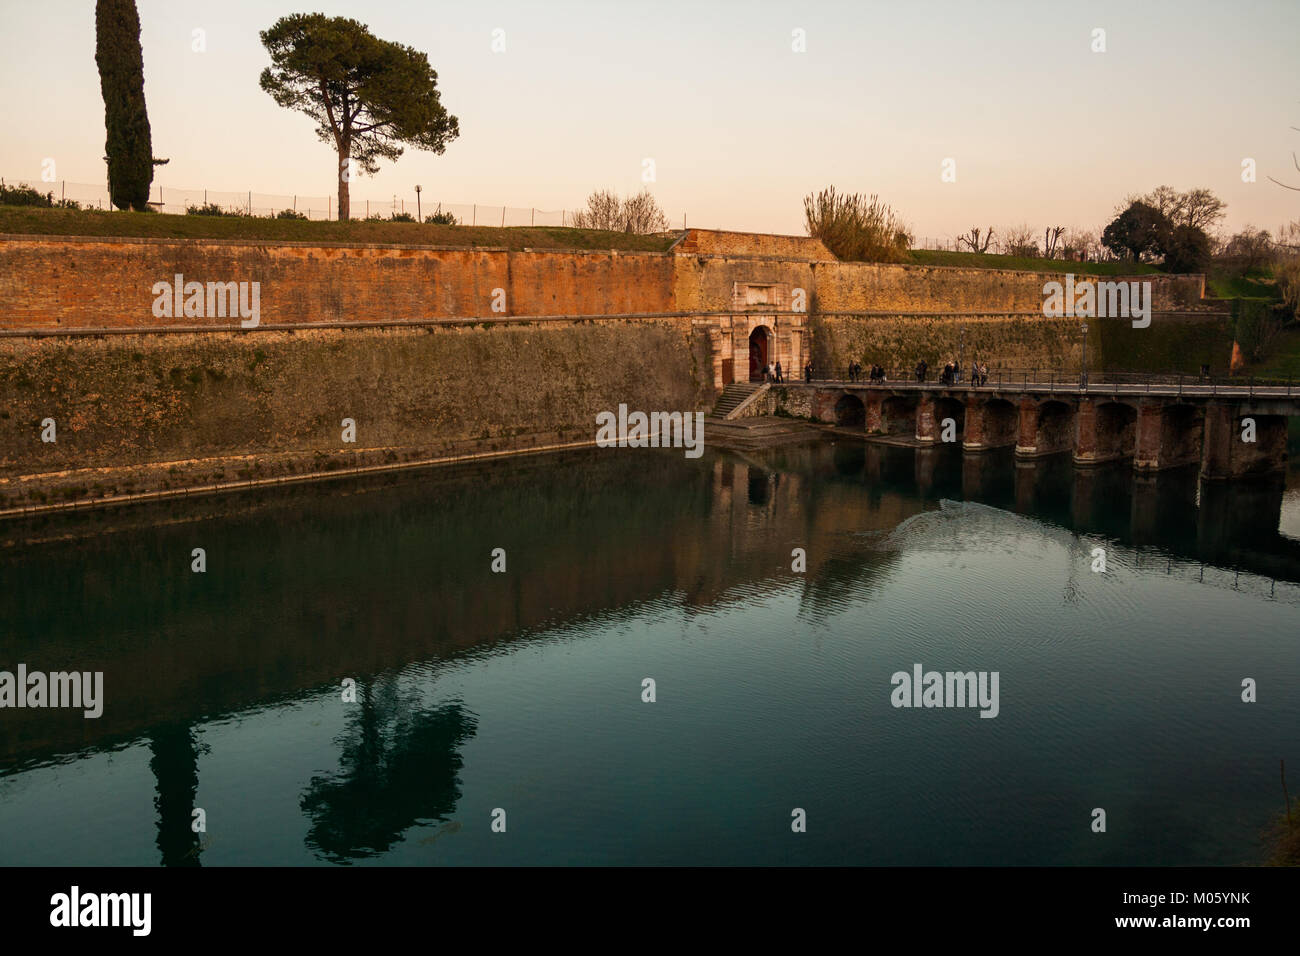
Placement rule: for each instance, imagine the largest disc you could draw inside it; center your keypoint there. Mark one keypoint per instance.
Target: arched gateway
(760, 351)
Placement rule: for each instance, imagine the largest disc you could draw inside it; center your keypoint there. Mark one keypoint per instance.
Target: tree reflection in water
(399, 768)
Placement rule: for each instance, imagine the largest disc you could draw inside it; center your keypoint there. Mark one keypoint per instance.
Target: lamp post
(961, 352)
(1083, 368)
(418, 216)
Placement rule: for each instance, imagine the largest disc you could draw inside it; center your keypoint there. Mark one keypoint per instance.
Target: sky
(1040, 128)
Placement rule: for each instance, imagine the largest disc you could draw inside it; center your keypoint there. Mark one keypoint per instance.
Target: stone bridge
(1231, 431)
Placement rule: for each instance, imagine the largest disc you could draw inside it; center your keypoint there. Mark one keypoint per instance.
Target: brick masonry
(141, 411)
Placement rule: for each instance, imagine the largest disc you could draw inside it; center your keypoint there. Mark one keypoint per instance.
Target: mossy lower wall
(1171, 343)
(899, 342)
(137, 413)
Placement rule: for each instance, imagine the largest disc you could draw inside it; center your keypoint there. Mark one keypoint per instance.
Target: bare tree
(1296, 163)
(1019, 241)
(1248, 249)
(974, 242)
(1164, 199)
(1286, 266)
(642, 215)
(1080, 244)
(604, 211)
(1198, 208)
(1051, 238)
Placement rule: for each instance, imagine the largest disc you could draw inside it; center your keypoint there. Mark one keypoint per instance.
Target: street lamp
(418, 217)
(961, 351)
(1083, 368)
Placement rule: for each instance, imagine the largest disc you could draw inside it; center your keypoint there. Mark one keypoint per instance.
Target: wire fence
(949, 244)
(181, 200)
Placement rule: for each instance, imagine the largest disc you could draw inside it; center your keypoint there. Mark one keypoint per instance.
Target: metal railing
(1068, 380)
(178, 200)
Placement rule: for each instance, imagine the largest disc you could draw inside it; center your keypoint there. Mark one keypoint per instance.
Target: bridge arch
(990, 423)
(850, 412)
(1115, 431)
(946, 406)
(1055, 427)
(898, 415)
(1181, 430)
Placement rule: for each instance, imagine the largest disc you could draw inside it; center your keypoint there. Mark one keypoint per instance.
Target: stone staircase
(726, 428)
(736, 398)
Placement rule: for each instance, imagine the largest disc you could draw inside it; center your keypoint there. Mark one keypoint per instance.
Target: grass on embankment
(1235, 286)
(31, 220)
(974, 260)
(1283, 360)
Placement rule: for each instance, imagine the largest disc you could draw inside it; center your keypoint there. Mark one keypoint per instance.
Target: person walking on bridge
(778, 373)
(921, 369)
(807, 373)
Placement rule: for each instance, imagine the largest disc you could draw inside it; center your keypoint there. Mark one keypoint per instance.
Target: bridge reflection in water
(370, 579)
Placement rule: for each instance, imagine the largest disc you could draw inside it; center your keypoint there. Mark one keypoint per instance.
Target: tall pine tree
(121, 80)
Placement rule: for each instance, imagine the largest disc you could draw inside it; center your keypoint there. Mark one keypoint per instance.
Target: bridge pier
(1104, 430)
(990, 423)
(1167, 436)
(1044, 428)
(1226, 453)
(875, 414)
(925, 419)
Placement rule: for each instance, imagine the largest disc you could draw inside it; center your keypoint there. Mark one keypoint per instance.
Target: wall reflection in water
(366, 578)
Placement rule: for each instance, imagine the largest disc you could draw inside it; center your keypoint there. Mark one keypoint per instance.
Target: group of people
(877, 373)
(951, 374)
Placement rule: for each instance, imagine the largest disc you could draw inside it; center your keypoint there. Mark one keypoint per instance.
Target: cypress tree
(120, 59)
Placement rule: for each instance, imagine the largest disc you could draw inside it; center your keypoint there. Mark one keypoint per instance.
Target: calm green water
(522, 690)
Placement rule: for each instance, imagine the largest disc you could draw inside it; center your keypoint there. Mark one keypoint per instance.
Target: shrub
(441, 218)
(210, 209)
(638, 214)
(290, 214)
(856, 228)
(401, 217)
(24, 196)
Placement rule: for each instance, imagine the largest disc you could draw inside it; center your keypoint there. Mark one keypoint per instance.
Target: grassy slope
(1229, 286)
(30, 220)
(972, 260)
(1283, 360)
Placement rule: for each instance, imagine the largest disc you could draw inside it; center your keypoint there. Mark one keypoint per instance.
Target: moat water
(479, 691)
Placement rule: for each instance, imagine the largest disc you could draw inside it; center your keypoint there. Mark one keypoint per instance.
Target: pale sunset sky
(740, 127)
